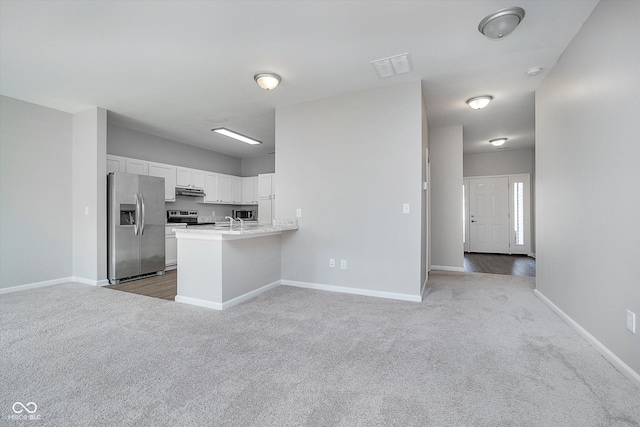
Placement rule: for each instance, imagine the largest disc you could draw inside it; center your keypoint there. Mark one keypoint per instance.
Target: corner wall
(587, 157)
(447, 247)
(350, 163)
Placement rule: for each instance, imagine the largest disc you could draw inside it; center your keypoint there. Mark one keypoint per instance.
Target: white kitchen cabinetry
(167, 172)
(250, 190)
(189, 178)
(236, 190)
(116, 164)
(224, 188)
(266, 198)
(171, 246)
(211, 188)
(138, 167)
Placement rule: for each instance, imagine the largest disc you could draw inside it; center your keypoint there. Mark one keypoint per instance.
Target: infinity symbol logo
(26, 407)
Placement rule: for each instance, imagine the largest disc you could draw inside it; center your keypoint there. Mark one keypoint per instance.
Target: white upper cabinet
(236, 189)
(116, 164)
(266, 198)
(224, 188)
(218, 188)
(138, 167)
(250, 190)
(211, 181)
(189, 178)
(167, 172)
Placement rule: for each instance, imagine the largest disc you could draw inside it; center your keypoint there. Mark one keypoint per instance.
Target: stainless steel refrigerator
(136, 219)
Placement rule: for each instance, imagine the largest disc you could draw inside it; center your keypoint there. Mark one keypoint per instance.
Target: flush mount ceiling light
(479, 102)
(498, 141)
(235, 135)
(267, 81)
(532, 72)
(501, 22)
(387, 67)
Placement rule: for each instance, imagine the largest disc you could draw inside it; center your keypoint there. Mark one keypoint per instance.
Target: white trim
(35, 285)
(198, 302)
(625, 369)
(170, 267)
(424, 287)
(103, 282)
(447, 268)
(227, 304)
(354, 291)
(532, 254)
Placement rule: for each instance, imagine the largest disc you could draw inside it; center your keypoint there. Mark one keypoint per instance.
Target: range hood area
(192, 192)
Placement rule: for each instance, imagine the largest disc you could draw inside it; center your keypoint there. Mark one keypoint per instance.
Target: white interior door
(489, 215)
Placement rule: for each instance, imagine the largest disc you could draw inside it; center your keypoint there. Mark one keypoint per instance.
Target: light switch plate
(332, 262)
(299, 213)
(405, 208)
(631, 321)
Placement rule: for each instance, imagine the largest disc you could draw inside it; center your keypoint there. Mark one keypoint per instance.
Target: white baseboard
(198, 302)
(625, 369)
(170, 267)
(532, 254)
(447, 268)
(227, 304)
(103, 282)
(35, 285)
(354, 291)
(424, 288)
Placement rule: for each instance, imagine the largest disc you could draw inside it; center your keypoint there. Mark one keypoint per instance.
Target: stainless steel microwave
(243, 214)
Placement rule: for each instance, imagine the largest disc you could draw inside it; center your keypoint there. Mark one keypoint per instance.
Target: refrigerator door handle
(136, 221)
(143, 215)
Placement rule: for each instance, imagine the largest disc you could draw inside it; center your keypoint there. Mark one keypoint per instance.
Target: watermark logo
(24, 412)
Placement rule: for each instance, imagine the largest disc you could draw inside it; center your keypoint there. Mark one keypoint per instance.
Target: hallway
(514, 265)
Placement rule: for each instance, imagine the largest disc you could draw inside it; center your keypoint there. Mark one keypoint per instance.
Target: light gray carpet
(481, 350)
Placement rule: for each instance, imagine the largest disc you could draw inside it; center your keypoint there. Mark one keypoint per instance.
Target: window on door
(518, 213)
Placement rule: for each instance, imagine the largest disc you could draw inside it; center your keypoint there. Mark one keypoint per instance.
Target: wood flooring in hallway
(512, 265)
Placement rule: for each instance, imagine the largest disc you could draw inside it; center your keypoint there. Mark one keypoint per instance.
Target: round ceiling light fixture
(501, 22)
(532, 72)
(267, 81)
(498, 141)
(479, 102)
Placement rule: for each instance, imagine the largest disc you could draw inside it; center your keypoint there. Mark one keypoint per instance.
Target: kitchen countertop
(248, 230)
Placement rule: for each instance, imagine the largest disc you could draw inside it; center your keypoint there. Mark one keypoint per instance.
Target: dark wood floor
(164, 286)
(512, 265)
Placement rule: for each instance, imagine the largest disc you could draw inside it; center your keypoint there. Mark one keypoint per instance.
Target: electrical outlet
(332, 262)
(343, 264)
(299, 213)
(631, 321)
(405, 208)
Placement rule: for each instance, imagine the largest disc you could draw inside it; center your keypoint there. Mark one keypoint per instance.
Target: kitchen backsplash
(185, 203)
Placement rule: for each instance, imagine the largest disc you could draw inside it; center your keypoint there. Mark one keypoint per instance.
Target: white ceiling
(177, 69)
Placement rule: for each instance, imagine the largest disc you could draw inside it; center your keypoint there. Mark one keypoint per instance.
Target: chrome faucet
(230, 221)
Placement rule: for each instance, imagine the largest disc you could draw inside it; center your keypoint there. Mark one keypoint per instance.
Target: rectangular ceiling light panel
(235, 135)
(387, 67)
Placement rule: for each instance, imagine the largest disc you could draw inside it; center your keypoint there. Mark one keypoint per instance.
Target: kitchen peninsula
(220, 266)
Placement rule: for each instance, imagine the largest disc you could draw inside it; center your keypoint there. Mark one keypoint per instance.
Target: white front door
(489, 215)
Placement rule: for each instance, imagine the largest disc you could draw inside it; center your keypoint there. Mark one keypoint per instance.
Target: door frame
(524, 249)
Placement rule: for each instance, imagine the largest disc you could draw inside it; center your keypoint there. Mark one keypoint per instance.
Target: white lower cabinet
(171, 246)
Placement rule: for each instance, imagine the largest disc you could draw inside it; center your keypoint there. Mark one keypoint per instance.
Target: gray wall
(587, 157)
(502, 162)
(138, 145)
(447, 248)
(252, 166)
(35, 193)
(350, 162)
